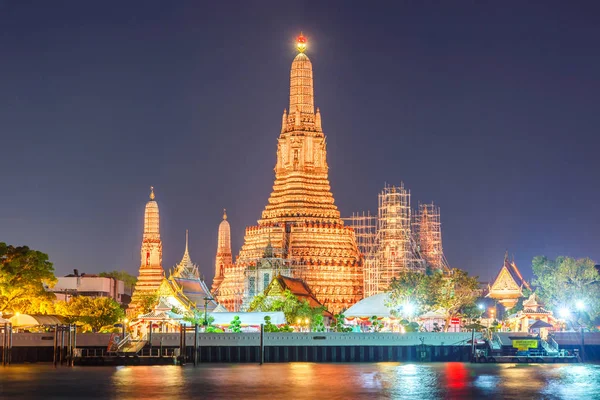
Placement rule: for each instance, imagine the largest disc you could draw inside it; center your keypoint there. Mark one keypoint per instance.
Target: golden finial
(151, 192)
(224, 214)
(301, 43)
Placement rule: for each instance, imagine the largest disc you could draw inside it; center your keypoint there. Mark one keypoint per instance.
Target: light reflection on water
(304, 381)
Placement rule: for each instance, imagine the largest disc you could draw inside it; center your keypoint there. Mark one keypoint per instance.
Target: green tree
(23, 274)
(124, 276)
(452, 293)
(339, 324)
(236, 325)
(92, 313)
(566, 281)
(147, 301)
(409, 288)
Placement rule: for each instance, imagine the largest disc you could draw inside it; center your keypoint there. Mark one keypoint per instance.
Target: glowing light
(564, 312)
(298, 321)
(301, 43)
(306, 321)
(580, 305)
(126, 320)
(408, 308)
(480, 306)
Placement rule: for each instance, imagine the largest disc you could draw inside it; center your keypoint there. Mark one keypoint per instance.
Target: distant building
(91, 286)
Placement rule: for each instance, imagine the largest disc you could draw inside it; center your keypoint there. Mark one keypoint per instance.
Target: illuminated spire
(301, 81)
(151, 218)
(224, 214)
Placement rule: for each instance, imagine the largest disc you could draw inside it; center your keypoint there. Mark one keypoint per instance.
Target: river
(304, 381)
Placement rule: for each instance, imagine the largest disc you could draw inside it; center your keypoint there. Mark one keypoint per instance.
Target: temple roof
(299, 288)
(509, 282)
(186, 268)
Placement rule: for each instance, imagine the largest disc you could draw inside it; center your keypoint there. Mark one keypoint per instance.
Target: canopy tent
(22, 320)
(247, 318)
(370, 306)
(220, 309)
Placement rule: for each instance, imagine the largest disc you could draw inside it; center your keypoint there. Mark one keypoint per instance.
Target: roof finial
(151, 192)
(301, 43)
(186, 241)
(224, 214)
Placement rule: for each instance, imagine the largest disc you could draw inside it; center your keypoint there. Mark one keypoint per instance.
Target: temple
(301, 219)
(181, 294)
(223, 260)
(508, 286)
(151, 272)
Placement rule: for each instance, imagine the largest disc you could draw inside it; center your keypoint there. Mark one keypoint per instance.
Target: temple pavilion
(508, 286)
(527, 319)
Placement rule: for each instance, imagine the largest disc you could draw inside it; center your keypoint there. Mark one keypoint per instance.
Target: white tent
(370, 306)
(247, 318)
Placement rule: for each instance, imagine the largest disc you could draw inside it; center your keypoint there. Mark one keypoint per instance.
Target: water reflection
(304, 381)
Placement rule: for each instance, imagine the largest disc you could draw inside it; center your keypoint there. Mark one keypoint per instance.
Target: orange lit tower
(151, 272)
(223, 261)
(301, 219)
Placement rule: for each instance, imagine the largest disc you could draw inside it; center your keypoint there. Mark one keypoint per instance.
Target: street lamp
(125, 321)
(580, 305)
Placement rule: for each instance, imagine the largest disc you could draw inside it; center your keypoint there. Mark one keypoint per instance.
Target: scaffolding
(428, 234)
(397, 240)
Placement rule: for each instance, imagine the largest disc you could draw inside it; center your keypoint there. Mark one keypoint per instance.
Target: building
(151, 273)
(508, 286)
(223, 260)
(88, 285)
(301, 219)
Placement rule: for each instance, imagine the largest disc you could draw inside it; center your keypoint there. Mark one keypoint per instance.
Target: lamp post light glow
(580, 305)
(564, 313)
(408, 309)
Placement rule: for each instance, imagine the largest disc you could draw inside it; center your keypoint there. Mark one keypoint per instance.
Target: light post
(307, 321)
(580, 306)
(125, 321)
(205, 322)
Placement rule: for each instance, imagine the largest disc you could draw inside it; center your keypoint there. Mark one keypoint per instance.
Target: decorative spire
(151, 192)
(318, 120)
(186, 243)
(284, 120)
(224, 214)
(301, 81)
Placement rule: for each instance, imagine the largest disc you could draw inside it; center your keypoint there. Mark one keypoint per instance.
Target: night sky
(490, 109)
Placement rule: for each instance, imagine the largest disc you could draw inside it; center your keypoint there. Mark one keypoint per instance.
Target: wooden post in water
(472, 344)
(74, 344)
(195, 345)
(9, 352)
(68, 352)
(55, 358)
(150, 337)
(62, 344)
(262, 344)
(4, 343)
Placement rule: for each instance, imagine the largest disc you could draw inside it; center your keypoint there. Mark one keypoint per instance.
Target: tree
(92, 313)
(292, 308)
(23, 274)
(566, 281)
(147, 301)
(339, 324)
(236, 325)
(452, 293)
(409, 288)
(124, 276)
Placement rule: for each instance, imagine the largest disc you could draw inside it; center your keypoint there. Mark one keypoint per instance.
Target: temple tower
(301, 219)
(223, 260)
(151, 271)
